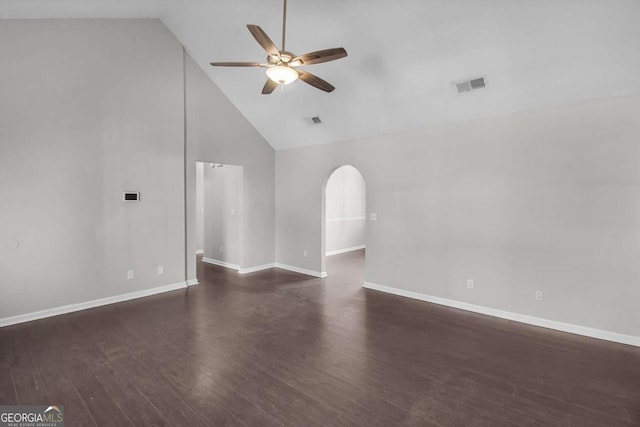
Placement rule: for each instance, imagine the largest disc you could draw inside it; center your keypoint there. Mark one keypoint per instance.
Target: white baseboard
(301, 270)
(257, 268)
(200, 252)
(192, 282)
(221, 263)
(536, 321)
(89, 304)
(345, 250)
(264, 267)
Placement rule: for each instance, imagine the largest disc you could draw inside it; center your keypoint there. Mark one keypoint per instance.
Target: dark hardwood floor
(278, 348)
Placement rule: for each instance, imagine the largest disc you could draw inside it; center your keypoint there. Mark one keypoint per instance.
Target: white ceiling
(403, 56)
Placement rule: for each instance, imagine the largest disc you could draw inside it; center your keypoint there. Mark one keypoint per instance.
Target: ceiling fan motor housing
(284, 58)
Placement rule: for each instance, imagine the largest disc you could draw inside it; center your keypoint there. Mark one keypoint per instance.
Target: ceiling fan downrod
(284, 24)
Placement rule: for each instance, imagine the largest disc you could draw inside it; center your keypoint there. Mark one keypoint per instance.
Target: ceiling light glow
(282, 74)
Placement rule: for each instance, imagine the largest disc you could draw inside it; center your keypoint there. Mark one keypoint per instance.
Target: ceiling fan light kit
(282, 74)
(281, 65)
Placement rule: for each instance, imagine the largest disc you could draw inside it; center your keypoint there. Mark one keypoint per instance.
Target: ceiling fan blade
(263, 39)
(315, 81)
(269, 86)
(238, 64)
(319, 56)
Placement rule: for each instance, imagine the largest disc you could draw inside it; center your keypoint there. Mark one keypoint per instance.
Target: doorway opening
(219, 214)
(344, 235)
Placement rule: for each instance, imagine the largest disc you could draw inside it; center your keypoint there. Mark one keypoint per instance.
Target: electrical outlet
(305, 253)
(373, 216)
(161, 269)
(221, 249)
(131, 274)
(539, 295)
(470, 284)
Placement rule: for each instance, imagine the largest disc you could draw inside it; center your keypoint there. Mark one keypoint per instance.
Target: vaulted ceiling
(404, 56)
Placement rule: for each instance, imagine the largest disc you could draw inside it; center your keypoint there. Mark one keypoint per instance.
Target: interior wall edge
(217, 132)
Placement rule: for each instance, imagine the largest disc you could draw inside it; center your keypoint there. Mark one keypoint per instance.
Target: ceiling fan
(282, 65)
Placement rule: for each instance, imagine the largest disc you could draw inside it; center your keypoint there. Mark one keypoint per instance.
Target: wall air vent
(466, 86)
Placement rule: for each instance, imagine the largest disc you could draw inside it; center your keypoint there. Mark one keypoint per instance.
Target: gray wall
(92, 108)
(89, 109)
(345, 210)
(217, 132)
(223, 213)
(537, 200)
(199, 227)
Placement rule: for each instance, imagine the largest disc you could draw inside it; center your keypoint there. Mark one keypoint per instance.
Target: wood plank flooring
(277, 348)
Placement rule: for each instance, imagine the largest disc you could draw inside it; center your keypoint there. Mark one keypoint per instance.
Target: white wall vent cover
(466, 86)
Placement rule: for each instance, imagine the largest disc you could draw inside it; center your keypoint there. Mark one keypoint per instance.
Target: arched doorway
(344, 219)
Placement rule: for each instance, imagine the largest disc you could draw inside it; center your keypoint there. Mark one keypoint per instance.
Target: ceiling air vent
(466, 86)
(316, 120)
